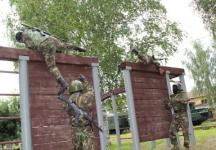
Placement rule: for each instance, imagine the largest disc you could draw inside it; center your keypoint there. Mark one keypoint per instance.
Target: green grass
(203, 135)
(209, 123)
(205, 139)
(127, 144)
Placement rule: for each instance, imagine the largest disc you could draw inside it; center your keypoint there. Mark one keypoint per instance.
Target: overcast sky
(4, 10)
(191, 23)
(180, 11)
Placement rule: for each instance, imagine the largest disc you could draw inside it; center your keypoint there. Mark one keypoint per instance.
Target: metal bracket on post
(24, 103)
(170, 92)
(116, 120)
(191, 130)
(97, 90)
(131, 108)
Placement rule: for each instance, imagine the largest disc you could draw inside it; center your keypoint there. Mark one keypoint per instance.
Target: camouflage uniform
(85, 99)
(83, 132)
(146, 59)
(48, 45)
(83, 138)
(179, 119)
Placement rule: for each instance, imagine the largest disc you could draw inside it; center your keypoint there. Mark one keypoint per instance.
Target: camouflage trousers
(49, 48)
(83, 138)
(179, 120)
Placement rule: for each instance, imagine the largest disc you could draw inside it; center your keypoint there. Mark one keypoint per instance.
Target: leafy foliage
(207, 8)
(9, 130)
(106, 28)
(120, 103)
(202, 66)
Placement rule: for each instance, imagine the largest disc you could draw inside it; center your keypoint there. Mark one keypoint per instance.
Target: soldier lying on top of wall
(146, 59)
(37, 40)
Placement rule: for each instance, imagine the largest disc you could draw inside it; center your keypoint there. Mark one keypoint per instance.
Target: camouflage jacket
(146, 59)
(178, 102)
(85, 101)
(33, 38)
(87, 87)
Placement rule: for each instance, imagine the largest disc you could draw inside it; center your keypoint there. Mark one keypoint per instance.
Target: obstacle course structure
(147, 91)
(45, 123)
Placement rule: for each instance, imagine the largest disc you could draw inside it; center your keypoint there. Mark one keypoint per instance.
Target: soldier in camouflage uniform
(82, 94)
(40, 41)
(178, 101)
(146, 59)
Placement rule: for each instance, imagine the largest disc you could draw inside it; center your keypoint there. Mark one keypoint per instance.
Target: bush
(9, 129)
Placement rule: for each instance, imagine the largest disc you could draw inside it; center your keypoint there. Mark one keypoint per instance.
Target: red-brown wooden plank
(149, 83)
(10, 118)
(9, 94)
(13, 72)
(151, 68)
(115, 91)
(10, 142)
(7, 53)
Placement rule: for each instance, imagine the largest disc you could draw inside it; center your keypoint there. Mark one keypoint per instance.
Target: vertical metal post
(10, 146)
(191, 130)
(131, 109)
(97, 91)
(106, 127)
(24, 103)
(168, 83)
(116, 120)
(170, 92)
(153, 144)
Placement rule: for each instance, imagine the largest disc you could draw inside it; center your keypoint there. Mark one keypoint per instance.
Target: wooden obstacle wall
(150, 91)
(49, 121)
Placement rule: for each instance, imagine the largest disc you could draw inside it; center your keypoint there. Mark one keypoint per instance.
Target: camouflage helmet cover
(75, 86)
(178, 86)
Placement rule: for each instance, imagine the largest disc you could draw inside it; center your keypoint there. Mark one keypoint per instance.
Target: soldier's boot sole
(186, 146)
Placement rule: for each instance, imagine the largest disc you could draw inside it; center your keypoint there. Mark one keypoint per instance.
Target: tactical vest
(178, 106)
(33, 39)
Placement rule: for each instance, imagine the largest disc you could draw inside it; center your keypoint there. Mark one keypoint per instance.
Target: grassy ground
(205, 140)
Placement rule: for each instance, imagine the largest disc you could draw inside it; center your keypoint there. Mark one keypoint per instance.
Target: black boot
(175, 147)
(186, 145)
(63, 85)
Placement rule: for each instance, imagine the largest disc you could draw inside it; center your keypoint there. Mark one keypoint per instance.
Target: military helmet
(179, 86)
(75, 86)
